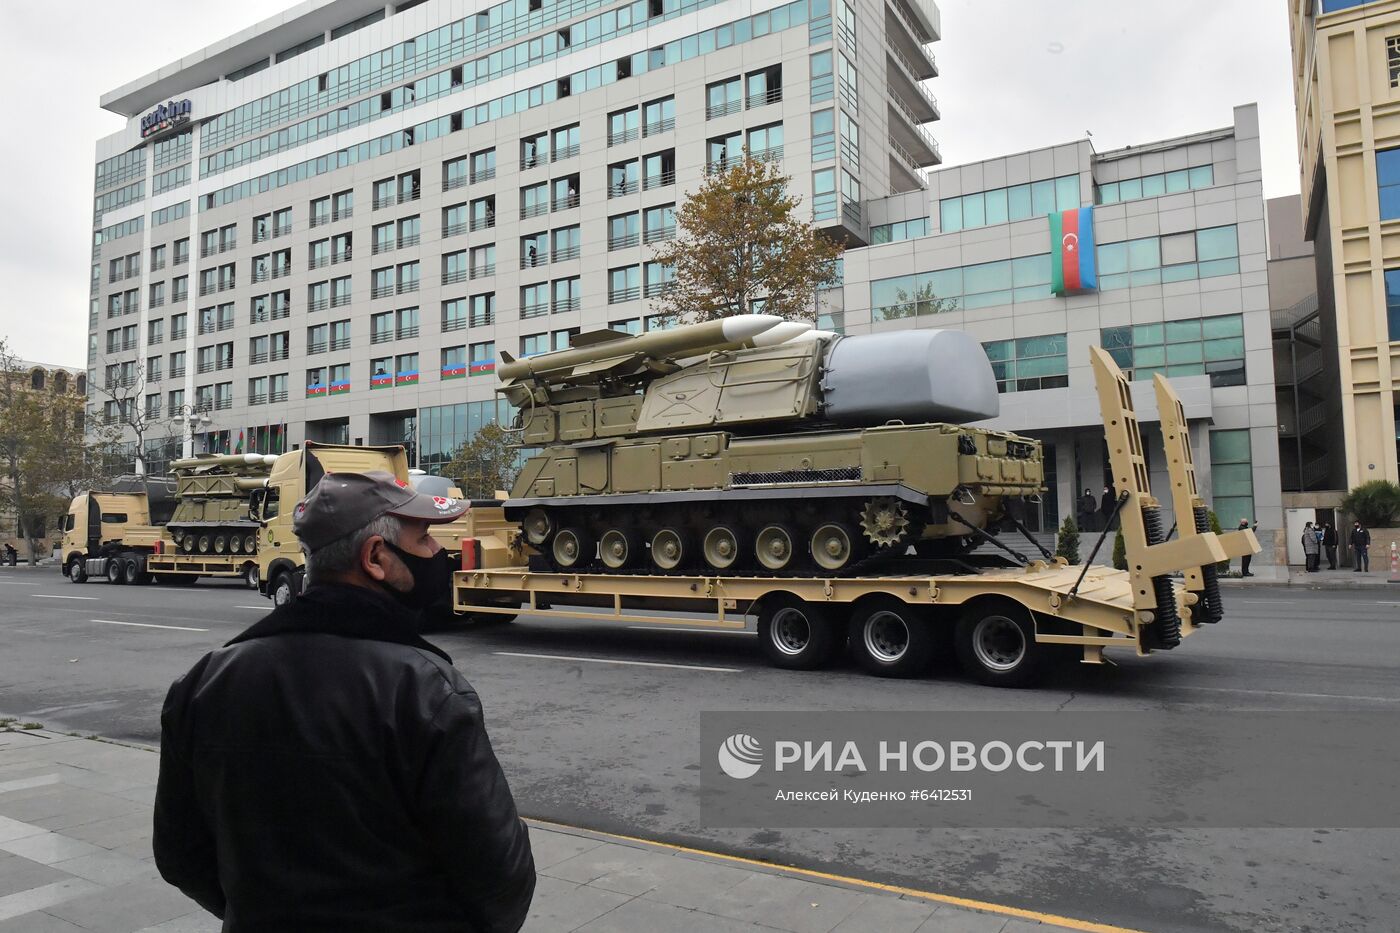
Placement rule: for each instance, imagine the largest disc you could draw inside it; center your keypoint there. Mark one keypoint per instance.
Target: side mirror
(255, 504)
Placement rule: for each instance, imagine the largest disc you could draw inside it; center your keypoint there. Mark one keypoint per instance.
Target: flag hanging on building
(482, 367)
(239, 448)
(1072, 252)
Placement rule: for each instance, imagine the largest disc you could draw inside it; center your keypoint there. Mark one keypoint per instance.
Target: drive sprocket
(885, 521)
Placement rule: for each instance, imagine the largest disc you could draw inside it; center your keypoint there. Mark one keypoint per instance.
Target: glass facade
(1003, 205)
(1029, 363)
(1212, 346)
(1154, 186)
(1232, 476)
(903, 230)
(444, 428)
(1388, 182)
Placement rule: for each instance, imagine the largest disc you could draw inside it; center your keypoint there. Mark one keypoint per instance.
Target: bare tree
(126, 414)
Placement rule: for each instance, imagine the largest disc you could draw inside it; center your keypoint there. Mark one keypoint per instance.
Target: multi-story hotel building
(325, 226)
(1346, 81)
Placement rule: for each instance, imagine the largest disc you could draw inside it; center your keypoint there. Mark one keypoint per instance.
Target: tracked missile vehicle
(752, 444)
(211, 512)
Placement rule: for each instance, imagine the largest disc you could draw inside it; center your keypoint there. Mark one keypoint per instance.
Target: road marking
(692, 631)
(565, 657)
(175, 628)
(1284, 693)
(41, 780)
(1088, 926)
(268, 608)
(17, 583)
(45, 596)
(1387, 604)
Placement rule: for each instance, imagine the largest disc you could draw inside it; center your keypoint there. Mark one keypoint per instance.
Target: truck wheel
(116, 570)
(131, 568)
(284, 589)
(996, 644)
(250, 576)
(891, 639)
(797, 635)
(77, 570)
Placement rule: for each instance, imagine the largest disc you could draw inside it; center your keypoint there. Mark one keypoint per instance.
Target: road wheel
(571, 548)
(250, 544)
(618, 548)
(833, 546)
(537, 526)
(996, 644)
(721, 548)
(220, 544)
(204, 544)
(669, 549)
(775, 548)
(77, 570)
(797, 635)
(892, 639)
(235, 544)
(250, 576)
(284, 589)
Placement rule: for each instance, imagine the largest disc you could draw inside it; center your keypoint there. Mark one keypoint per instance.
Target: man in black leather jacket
(328, 769)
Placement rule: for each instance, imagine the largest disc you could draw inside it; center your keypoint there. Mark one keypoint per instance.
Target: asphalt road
(610, 746)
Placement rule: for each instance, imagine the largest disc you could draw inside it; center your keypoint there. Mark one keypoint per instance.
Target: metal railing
(562, 253)
(914, 31)
(279, 272)
(916, 125)
(763, 98)
(485, 174)
(565, 152)
(452, 184)
(567, 202)
(344, 214)
(657, 127)
(339, 301)
(483, 270)
(224, 403)
(382, 336)
(411, 240)
(623, 136)
(381, 246)
(619, 295)
(381, 291)
(407, 332)
(622, 188)
(318, 304)
(318, 262)
(340, 343)
(281, 230)
(534, 161)
(482, 319)
(257, 398)
(454, 324)
(534, 210)
(907, 160)
(180, 296)
(483, 223)
(654, 289)
(405, 288)
(566, 304)
(257, 356)
(279, 314)
(223, 363)
(319, 220)
(625, 241)
(913, 77)
(659, 181)
(344, 255)
(157, 302)
(454, 229)
(453, 277)
(278, 353)
(379, 203)
(714, 111)
(177, 372)
(277, 396)
(538, 309)
(771, 154)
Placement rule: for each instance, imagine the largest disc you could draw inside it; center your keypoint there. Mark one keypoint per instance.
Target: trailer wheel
(996, 644)
(77, 570)
(284, 589)
(797, 635)
(892, 639)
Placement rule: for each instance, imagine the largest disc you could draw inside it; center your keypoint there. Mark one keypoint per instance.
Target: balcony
(278, 353)
(257, 356)
(724, 108)
(381, 246)
(318, 304)
(567, 304)
(318, 262)
(528, 162)
(454, 324)
(277, 395)
(177, 333)
(902, 80)
(657, 127)
(533, 260)
(922, 21)
(316, 346)
(257, 398)
(773, 95)
(381, 291)
(534, 210)
(411, 239)
(907, 130)
(661, 180)
(345, 213)
(223, 403)
(262, 274)
(379, 203)
(207, 327)
(626, 241)
(562, 253)
(485, 174)
(452, 184)
(619, 295)
(454, 229)
(319, 220)
(567, 202)
(483, 270)
(280, 313)
(224, 362)
(565, 152)
(381, 336)
(177, 372)
(407, 331)
(455, 276)
(906, 167)
(279, 272)
(340, 301)
(771, 154)
(483, 223)
(405, 288)
(622, 136)
(281, 230)
(158, 301)
(344, 255)
(623, 187)
(538, 309)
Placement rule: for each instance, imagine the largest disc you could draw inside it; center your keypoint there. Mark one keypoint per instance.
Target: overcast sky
(1016, 75)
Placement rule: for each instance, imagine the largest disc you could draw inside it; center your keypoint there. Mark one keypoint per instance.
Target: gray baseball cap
(342, 503)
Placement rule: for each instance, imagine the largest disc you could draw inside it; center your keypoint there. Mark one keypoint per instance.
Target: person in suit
(1106, 504)
(1246, 558)
(1361, 547)
(1329, 545)
(1088, 511)
(1311, 546)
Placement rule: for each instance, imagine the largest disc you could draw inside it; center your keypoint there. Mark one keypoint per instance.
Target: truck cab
(99, 522)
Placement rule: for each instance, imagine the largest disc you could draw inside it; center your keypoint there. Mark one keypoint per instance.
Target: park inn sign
(165, 117)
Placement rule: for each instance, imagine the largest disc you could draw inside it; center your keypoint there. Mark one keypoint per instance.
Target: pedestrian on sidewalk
(1246, 558)
(1088, 511)
(328, 769)
(1311, 546)
(1106, 506)
(1329, 544)
(1361, 549)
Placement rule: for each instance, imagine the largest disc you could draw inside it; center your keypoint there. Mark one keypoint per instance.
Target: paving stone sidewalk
(75, 855)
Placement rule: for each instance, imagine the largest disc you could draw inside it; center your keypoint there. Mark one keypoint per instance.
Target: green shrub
(1375, 504)
(1120, 552)
(1068, 544)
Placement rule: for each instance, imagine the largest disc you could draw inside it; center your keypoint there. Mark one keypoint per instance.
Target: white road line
(1284, 693)
(268, 608)
(176, 628)
(1387, 604)
(17, 583)
(45, 596)
(691, 631)
(564, 657)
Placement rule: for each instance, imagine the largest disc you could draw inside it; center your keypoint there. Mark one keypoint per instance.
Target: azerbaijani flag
(340, 386)
(455, 371)
(315, 390)
(480, 367)
(381, 381)
(1072, 251)
(406, 379)
(239, 448)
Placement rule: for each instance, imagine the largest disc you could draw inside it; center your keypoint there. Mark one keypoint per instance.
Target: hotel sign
(166, 117)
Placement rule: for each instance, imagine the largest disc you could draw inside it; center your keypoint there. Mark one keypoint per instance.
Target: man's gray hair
(341, 554)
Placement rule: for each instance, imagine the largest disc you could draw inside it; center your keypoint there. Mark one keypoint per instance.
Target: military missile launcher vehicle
(756, 445)
(211, 512)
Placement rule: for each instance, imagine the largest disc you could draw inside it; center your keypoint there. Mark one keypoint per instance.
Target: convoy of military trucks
(825, 489)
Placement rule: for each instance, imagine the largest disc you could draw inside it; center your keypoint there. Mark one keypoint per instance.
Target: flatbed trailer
(1004, 623)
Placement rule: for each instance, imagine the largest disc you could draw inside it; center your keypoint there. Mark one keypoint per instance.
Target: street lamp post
(192, 416)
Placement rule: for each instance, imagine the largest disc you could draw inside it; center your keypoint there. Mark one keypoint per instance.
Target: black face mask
(432, 578)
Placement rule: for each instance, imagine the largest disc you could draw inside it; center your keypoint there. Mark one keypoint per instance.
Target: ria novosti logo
(740, 756)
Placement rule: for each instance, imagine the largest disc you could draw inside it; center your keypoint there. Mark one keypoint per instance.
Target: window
(623, 230)
(454, 315)
(566, 242)
(659, 279)
(568, 294)
(407, 277)
(534, 300)
(483, 165)
(381, 327)
(1029, 363)
(823, 135)
(257, 390)
(624, 126)
(340, 335)
(1392, 59)
(562, 339)
(564, 142)
(340, 293)
(565, 192)
(482, 310)
(257, 349)
(155, 331)
(1000, 205)
(659, 169)
(659, 116)
(454, 362)
(533, 151)
(720, 151)
(846, 25)
(1212, 346)
(903, 230)
(483, 212)
(1231, 475)
(531, 344)
(481, 358)
(1388, 180)
(406, 369)
(824, 194)
(182, 251)
(157, 298)
(407, 323)
(850, 88)
(534, 250)
(1173, 258)
(383, 193)
(342, 205)
(320, 212)
(319, 254)
(766, 142)
(317, 338)
(157, 258)
(410, 229)
(723, 98)
(342, 247)
(179, 288)
(316, 382)
(382, 238)
(534, 200)
(454, 173)
(1392, 301)
(633, 326)
(318, 298)
(1154, 186)
(483, 261)
(659, 223)
(624, 284)
(454, 267)
(381, 372)
(764, 86)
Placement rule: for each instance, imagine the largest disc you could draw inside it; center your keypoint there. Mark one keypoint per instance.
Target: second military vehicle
(752, 444)
(211, 511)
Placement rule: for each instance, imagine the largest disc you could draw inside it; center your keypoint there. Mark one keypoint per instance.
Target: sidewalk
(75, 855)
(1343, 578)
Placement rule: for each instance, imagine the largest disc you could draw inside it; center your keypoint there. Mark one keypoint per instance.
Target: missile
(781, 333)
(609, 352)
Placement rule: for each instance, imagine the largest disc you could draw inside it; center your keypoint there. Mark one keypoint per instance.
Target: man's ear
(373, 554)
